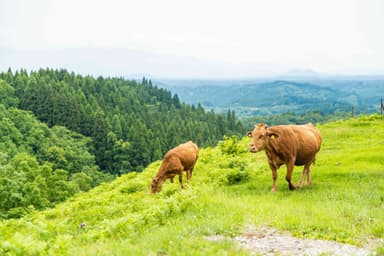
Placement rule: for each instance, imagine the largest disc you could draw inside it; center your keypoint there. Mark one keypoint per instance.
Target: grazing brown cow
(179, 159)
(287, 144)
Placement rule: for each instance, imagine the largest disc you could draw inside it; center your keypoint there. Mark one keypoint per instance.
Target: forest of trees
(296, 118)
(63, 133)
(131, 123)
(40, 166)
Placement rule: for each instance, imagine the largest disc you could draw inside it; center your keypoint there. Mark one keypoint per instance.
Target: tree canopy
(130, 123)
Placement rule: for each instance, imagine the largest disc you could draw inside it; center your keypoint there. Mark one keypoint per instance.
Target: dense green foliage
(40, 166)
(86, 132)
(293, 118)
(229, 193)
(254, 97)
(131, 124)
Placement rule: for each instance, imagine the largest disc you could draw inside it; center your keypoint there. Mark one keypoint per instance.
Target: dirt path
(270, 242)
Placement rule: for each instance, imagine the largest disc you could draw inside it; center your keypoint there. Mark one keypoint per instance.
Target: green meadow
(230, 192)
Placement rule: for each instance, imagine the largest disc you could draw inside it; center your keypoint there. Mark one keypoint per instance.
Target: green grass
(228, 194)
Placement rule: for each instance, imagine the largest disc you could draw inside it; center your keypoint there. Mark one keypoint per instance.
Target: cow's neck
(273, 152)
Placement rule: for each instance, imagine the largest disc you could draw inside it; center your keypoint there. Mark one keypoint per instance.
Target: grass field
(229, 192)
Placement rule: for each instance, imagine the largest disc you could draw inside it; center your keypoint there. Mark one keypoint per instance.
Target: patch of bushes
(234, 171)
(230, 146)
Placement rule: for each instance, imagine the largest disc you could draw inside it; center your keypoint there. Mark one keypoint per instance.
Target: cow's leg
(181, 179)
(308, 174)
(274, 176)
(300, 183)
(189, 174)
(171, 178)
(288, 177)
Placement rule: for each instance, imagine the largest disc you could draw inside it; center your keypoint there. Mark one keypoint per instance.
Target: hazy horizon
(199, 39)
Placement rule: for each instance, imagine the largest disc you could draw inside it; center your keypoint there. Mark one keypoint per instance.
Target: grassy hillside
(229, 192)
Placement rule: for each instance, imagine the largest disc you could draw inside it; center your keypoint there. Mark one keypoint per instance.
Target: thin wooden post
(353, 114)
(381, 107)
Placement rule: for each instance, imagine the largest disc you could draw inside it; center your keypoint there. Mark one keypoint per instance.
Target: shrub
(232, 172)
(236, 176)
(230, 146)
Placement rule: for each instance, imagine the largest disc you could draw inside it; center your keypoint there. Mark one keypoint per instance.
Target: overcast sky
(327, 36)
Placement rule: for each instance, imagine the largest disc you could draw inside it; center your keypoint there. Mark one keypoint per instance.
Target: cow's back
(308, 142)
(186, 153)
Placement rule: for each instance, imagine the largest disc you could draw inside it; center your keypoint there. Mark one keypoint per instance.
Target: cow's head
(156, 185)
(259, 138)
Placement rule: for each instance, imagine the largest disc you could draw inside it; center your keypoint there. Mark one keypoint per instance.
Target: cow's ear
(249, 134)
(257, 126)
(272, 133)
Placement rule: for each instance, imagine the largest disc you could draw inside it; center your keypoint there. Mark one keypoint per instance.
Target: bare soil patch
(270, 242)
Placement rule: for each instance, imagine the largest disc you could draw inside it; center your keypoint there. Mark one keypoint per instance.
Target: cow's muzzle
(253, 149)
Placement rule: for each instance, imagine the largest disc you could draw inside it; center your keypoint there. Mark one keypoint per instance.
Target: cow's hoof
(291, 187)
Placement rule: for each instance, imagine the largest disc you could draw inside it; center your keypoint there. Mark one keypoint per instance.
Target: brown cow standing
(287, 144)
(179, 159)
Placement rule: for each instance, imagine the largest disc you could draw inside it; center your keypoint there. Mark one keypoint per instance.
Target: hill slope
(131, 123)
(265, 97)
(40, 166)
(229, 191)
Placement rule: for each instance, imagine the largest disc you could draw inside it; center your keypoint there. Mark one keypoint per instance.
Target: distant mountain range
(263, 97)
(280, 90)
(120, 62)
